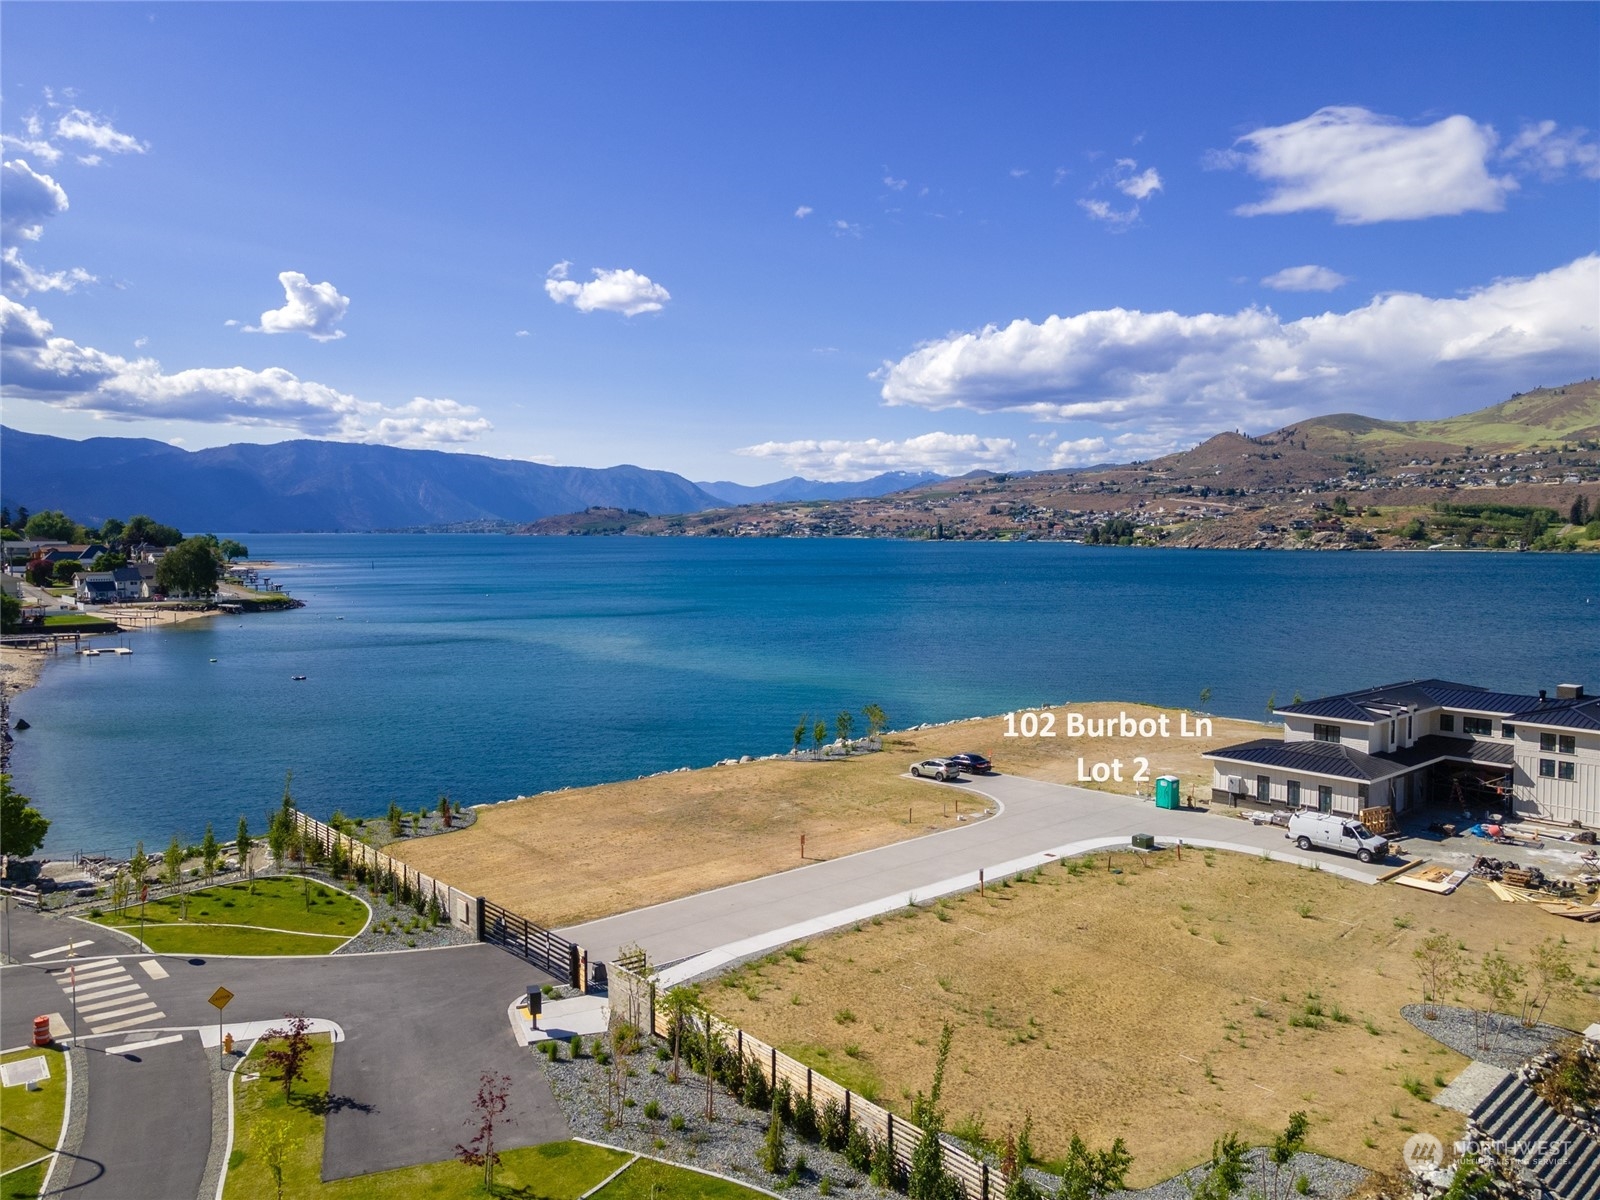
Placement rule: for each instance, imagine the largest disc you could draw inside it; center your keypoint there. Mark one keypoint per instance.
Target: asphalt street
(1036, 818)
(420, 1028)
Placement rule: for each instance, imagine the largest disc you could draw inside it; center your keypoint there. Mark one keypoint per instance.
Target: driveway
(1037, 821)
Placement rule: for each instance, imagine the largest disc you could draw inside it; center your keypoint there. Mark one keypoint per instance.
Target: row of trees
(52, 525)
(843, 725)
(1500, 987)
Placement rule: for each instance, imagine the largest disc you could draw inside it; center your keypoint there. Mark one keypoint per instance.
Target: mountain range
(335, 486)
(798, 488)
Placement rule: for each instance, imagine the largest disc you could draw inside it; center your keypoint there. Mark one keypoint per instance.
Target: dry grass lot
(1167, 1004)
(564, 857)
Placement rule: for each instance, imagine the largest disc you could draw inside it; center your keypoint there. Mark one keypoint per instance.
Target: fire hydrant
(227, 1043)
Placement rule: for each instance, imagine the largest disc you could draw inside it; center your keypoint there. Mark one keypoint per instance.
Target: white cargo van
(1326, 831)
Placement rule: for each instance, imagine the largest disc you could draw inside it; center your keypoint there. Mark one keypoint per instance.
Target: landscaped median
(277, 915)
(278, 1140)
(32, 1123)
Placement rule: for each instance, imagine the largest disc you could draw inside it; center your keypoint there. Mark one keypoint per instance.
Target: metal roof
(1331, 758)
(1369, 704)
(1582, 713)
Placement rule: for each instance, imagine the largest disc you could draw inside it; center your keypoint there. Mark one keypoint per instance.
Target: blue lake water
(488, 667)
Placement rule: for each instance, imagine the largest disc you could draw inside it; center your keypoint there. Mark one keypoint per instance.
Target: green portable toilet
(1167, 795)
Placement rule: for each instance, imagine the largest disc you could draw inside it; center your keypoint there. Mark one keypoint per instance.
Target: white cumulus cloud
(17, 278)
(1551, 152)
(1174, 373)
(1102, 211)
(1364, 167)
(313, 309)
(804, 211)
(1305, 279)
(625, 291)
(36, 364)
(76, 125)
(27, 200)
(1131, 181)
(942, 453)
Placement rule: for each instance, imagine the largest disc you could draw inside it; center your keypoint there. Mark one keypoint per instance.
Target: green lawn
(557, 1171)
(23, 1184)
(650, 1180)
(276, 902)
(31, 1123)
(223, 939)
(70, 621)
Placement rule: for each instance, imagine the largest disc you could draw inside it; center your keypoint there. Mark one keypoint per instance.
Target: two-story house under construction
(1427, 741)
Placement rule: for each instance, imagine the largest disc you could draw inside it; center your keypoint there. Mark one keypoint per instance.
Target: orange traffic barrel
(41, 1031)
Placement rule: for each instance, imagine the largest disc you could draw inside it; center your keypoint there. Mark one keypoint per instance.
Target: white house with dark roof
(1425, 741)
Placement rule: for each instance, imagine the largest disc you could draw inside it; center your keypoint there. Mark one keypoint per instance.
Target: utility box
(535, 1000)
(1168, 792)
(1143, 841)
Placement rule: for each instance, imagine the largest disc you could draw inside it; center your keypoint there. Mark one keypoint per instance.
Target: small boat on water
(89, 652)
(298, 678)
(213, 660)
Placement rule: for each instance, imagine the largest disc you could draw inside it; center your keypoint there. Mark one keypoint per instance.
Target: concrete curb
(712, 962)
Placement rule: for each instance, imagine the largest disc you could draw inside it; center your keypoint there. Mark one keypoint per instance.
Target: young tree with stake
(289, 1059)
(494, 1095)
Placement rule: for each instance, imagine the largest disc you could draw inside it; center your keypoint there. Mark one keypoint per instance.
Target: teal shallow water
(488, 667)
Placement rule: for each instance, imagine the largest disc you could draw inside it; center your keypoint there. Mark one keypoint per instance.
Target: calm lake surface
(489, 667)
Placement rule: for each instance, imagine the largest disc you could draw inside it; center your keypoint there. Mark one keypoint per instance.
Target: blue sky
(745, 241)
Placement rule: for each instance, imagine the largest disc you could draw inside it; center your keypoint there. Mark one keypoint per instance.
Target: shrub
(1302, 1184)
(831, 1125)
(805, 1119)
(652, 1109)
(577, 1047)
(773, 1159)
(676, 1123)
(602, 1056)
(858, 1148)
(824, 1186)
(755, 1092)
(884, 1171)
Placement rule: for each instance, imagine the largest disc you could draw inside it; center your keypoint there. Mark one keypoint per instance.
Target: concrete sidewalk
(1037, 822)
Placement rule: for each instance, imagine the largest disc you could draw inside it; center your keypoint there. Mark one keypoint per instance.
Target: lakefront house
(1427, 741)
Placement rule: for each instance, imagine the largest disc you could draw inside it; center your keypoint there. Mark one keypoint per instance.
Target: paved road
(420, 1028)
(147, 1137)
(1037, 819)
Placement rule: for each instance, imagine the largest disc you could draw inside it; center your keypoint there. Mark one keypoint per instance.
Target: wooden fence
(634, 998)
(461, 908)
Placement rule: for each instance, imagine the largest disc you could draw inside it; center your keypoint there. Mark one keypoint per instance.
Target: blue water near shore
(488, 667)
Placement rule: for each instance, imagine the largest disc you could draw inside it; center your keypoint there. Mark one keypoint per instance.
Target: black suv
(972, 763)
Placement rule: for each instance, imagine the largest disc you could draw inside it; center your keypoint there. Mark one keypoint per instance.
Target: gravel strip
(77, 1122)
(396, 926)
(731, 1144)
(1510, 1044)
(217, 1156)
(1329, 1178)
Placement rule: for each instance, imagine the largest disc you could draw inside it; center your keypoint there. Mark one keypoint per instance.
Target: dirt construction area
(565, 857)
(1166, 1002)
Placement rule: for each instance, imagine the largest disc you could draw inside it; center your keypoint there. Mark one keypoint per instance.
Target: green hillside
(1547, 417)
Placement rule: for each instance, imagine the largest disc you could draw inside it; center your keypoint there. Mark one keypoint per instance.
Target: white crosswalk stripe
(106, 997)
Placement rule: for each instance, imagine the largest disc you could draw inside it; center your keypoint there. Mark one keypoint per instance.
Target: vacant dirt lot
(1166, 1004)
(564, 857)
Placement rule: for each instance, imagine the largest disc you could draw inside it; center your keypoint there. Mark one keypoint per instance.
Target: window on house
(1325, 733)
(1566, 744)
(1294, 793)
(1477, 726)
(1566, 770)
(1547, 741)
(1324, 798)
(1447, 723)
(1547, 768)
(1507, 730)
